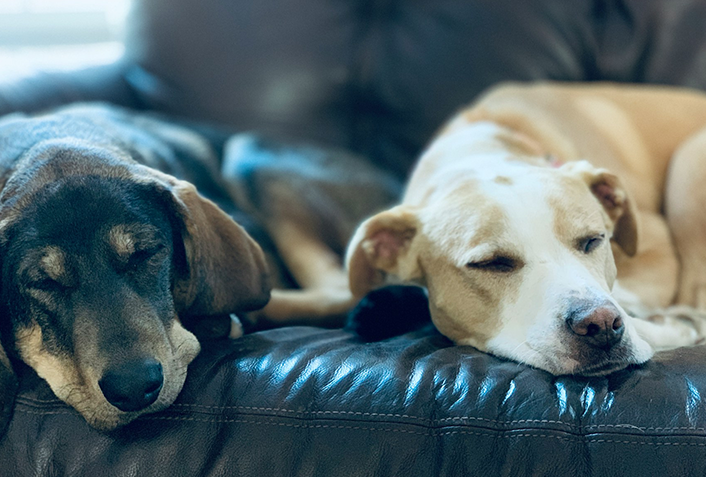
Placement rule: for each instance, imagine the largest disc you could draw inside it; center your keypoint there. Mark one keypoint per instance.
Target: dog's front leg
(324, 297)
(8, 388)
(663, 328)
(671, 329)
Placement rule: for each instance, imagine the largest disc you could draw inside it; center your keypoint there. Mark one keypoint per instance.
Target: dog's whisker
(514, 350)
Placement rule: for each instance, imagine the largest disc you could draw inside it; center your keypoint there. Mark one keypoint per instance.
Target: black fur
(8, 388)
(390, 311)
(66, 180)
(88, 207)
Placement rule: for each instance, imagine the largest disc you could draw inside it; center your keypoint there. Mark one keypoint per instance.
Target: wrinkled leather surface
(377, 76)
(307, 401)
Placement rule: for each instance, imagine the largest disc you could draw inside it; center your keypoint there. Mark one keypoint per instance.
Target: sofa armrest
(43, 90)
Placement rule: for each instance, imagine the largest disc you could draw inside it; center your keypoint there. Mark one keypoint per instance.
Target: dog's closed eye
(50, 285)
(137, 246)
(496, 264)
(589, 243)
(143, 256)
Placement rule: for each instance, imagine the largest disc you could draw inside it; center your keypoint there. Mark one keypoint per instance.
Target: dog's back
(633, 130)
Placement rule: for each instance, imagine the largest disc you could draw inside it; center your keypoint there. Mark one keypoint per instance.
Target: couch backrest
(380, 76)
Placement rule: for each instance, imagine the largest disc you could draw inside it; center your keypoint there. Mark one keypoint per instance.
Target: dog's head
(518, 262)
(101, 259)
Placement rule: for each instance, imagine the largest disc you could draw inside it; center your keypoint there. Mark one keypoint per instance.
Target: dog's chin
(596, 363)
(105, 417)
(581, 361)
(602, 369)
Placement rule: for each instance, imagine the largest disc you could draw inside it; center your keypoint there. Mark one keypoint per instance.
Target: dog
(309, 199)
(106, 257)
(531, 250)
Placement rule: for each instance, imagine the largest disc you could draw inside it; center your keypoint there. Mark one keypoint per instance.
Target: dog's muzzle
(134, 385)
(599, 326)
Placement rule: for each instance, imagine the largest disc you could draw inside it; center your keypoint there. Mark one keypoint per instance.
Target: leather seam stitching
(431, 431)
(415, 418)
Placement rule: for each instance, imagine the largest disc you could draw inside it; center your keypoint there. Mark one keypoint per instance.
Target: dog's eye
(498, 264)
(48, 284)
(589, 244)
(140, 257)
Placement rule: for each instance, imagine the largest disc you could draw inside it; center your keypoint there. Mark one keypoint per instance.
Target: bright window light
(40, 35)
(53, 22)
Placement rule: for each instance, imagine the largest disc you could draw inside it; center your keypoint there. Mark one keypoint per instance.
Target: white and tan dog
(517, 229)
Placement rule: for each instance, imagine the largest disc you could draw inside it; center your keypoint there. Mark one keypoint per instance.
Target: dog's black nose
(133, 385)
(601, 326)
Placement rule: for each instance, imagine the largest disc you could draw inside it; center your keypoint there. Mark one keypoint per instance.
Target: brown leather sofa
(377, 77)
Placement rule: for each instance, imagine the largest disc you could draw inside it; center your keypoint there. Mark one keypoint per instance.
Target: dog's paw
(681, 325)
(388, 312)
(236, 327)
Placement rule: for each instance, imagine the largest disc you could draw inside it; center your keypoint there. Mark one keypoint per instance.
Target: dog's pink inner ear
(607, 189)
(386, 245)
(380, 249)
(611, 198)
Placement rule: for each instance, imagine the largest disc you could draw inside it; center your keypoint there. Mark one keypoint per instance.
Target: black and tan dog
(103, 258)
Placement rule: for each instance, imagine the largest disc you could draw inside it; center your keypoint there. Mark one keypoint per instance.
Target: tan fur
(640, 128)
(122, 241)
(225, 272)
(325, 296)
(516, 132)
(53, 262)
(75, 380)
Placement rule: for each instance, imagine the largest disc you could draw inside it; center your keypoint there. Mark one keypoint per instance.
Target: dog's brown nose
(134, 385)
(601, 326)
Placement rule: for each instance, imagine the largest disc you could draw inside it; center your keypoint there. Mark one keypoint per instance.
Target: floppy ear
(8, 388)
(226, 269)
(611, 193)
(382, 246)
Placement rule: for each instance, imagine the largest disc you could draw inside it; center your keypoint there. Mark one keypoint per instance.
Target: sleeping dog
(532, 250)
(308, 200)
(526, 243)
(104, 258)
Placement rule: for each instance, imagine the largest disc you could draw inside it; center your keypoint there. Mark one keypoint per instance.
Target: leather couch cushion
(308, 401)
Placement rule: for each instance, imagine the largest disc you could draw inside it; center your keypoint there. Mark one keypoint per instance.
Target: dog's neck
(465, 149)
(488, 141)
